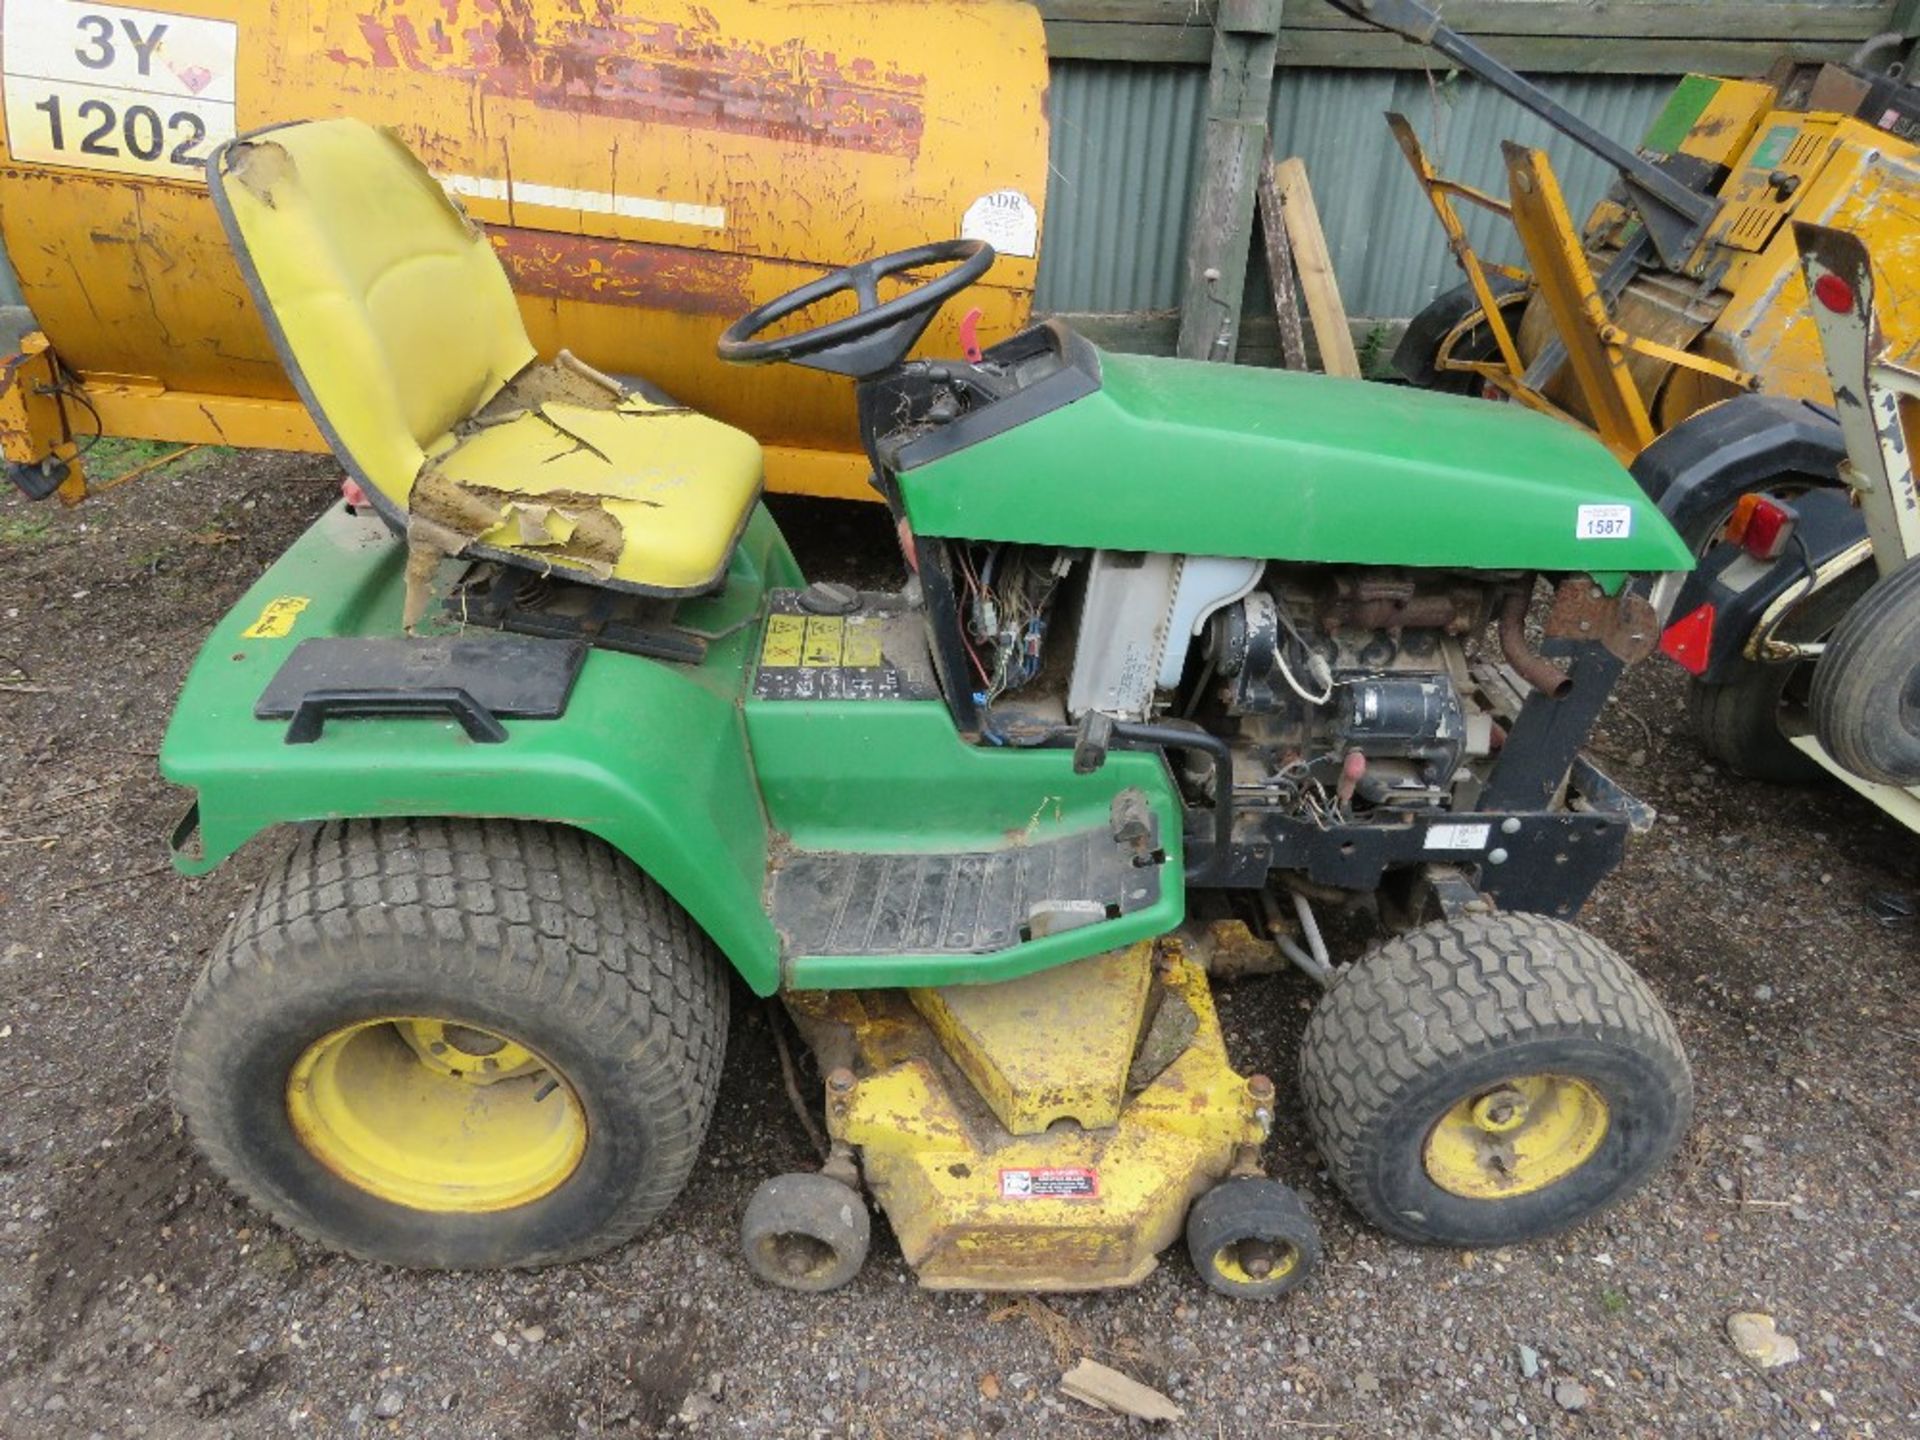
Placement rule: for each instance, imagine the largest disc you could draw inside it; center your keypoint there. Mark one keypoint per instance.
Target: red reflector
(351, 492)
(1689, 640)
(1834, 293)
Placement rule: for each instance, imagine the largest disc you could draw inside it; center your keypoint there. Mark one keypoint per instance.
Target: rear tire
(382, 964)
(1738, 722)
(1866, 686)
(1491, 1079)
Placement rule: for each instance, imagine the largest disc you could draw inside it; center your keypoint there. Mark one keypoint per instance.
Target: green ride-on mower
(1189, 656)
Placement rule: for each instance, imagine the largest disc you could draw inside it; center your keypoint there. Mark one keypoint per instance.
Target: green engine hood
(1190, 458)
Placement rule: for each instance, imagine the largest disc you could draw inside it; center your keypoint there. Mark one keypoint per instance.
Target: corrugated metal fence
(1126, 144)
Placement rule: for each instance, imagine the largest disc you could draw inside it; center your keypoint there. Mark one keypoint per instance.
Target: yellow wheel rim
(1516, 1137)
(435, 1115)
(1277, 1261)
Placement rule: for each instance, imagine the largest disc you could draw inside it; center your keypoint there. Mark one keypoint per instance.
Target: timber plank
(1636, 19)
(1273, 231)
(1315, 265)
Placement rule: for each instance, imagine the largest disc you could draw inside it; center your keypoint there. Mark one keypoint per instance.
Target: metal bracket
(1625, 623)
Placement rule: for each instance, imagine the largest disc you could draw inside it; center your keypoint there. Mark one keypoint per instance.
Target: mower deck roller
(1156, 664)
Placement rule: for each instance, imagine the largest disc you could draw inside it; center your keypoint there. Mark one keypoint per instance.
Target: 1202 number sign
(106, 87)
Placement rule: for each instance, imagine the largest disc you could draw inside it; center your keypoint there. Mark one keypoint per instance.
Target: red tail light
(1762, 526)
(1688, 641)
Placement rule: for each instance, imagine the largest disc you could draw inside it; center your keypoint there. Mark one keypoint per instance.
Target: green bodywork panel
(877, 777)
(1190, 458)
(650, 757)
(665, 762)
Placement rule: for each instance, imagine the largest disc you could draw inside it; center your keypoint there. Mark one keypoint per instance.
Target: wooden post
(1286, 305)
(1246, 38)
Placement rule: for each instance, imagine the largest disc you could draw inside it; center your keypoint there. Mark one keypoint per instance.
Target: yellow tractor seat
(393, 316)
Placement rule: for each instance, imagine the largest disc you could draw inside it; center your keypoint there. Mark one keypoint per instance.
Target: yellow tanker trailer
(646, 173)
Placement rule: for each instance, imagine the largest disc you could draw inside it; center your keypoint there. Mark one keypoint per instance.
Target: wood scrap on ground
(1106, 1388)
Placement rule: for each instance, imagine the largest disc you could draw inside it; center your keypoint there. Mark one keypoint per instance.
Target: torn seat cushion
(644, 496)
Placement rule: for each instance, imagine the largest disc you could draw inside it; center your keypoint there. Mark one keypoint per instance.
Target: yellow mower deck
(1046, 1133)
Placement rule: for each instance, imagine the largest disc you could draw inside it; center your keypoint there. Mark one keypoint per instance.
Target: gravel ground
(138, 1297)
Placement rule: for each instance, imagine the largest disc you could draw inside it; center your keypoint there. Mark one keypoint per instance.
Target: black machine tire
(1866, 686)
(539, 934)
(1738, 724)
(805, 1231)
(1250, 1209)
(1415, 357)
(1459, 1009)
(1737, 720)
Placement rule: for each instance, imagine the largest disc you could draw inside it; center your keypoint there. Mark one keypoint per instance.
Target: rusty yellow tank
(647, 173)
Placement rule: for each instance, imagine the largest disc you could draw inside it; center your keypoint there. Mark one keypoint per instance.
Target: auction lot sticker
(106, 87)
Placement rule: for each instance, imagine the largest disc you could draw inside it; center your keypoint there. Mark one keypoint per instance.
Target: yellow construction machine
(1683, 288)
(1675, 324)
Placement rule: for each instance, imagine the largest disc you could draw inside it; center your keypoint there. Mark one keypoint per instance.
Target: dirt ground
(138, 1297)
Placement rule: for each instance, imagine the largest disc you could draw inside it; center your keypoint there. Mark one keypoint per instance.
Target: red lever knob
(970, 336)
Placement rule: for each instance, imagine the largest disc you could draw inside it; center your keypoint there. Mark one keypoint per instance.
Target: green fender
(651, 758)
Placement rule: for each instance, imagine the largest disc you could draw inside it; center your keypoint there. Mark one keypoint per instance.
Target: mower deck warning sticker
(1060, 1182)
(107, 87)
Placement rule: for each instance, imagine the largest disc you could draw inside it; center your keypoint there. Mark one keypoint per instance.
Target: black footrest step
(970, 903)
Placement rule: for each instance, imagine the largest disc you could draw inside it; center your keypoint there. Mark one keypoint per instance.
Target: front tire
(1491, 1079)
(455, 1044)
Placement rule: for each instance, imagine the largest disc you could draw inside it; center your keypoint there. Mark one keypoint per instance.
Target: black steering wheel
(879, 334)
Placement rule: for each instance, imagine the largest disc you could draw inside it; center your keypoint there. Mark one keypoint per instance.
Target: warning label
(876, 653)
(821, 642)
(1069, 1182)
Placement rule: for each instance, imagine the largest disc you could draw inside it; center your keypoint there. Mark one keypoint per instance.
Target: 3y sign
(104, 87)
(99, 53)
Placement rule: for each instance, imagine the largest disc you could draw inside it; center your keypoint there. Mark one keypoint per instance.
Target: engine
(1339, 687)
(1320, 666)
